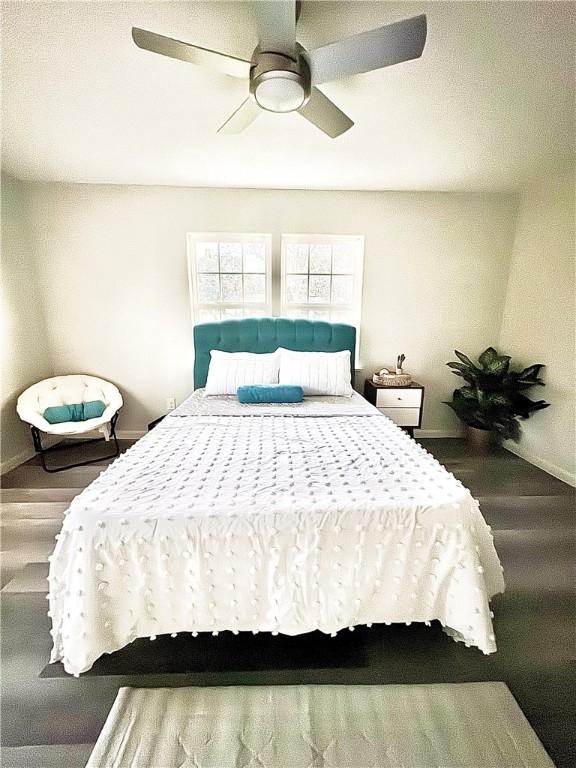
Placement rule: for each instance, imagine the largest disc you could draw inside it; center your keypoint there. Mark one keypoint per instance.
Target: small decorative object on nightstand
(402, 404)
(386, 378)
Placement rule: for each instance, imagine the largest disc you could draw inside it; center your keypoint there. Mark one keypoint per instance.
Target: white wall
(24, 351)
(539, 320)
(112, 265)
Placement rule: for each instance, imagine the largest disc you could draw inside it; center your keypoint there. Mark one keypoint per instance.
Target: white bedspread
(266, 522)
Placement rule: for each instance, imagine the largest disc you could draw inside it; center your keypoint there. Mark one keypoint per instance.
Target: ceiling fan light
(279, 93)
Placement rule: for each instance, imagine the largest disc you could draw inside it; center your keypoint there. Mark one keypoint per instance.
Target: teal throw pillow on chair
(58, 414)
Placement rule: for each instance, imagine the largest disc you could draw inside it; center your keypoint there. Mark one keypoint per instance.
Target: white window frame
(193, 238)
(355, 308)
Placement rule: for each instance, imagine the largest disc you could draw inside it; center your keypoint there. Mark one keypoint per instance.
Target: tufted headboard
(266, 334)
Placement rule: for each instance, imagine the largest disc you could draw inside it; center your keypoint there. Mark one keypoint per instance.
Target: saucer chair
(88, 402)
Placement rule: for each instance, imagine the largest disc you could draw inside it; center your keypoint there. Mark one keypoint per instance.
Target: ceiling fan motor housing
(279, 83)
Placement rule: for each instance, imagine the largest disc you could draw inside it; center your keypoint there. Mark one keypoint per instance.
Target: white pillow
(229, 370)
(318, 373)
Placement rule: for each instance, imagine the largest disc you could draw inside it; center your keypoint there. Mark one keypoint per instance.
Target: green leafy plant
(493, 398)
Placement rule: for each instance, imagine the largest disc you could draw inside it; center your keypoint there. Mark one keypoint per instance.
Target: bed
(322, 515)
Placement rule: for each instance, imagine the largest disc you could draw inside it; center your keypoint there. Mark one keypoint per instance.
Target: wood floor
(50, 719)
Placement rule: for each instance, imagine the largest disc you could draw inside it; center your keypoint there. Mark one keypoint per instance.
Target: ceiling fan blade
(382, 47)
(325, 114)
(246, 113)
(276, 24)
(194, 54)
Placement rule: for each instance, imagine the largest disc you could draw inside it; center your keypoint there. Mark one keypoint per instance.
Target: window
(318, 277)
(322, 277)
(230, 275)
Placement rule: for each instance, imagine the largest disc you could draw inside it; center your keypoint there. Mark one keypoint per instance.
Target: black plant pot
(478, 439)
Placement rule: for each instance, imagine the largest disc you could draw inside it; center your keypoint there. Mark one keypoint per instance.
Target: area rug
(470, 725)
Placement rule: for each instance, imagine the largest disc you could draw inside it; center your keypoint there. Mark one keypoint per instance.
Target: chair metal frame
(43, 451)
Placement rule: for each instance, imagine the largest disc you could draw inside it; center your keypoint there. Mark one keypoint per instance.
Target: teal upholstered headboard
(266, 334)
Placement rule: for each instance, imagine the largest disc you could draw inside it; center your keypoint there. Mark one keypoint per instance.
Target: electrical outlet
(170, 403)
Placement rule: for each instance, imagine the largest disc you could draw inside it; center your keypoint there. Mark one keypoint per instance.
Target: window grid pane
(319, 289)
(297, 289)
(342, 289)
(207, 257)
(208, 288)
(230, 257)
(326, 270)
(320, 259)
(342, 259)
(229, 276)
(254, 288)
(231, 286)
(254, 257)
(297, 258)
(322, 277)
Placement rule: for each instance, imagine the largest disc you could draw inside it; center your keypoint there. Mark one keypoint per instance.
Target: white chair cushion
(68, 390)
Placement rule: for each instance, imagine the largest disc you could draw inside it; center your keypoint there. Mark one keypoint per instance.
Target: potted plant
(492, 400)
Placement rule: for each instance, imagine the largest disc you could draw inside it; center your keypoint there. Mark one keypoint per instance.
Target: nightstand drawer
(404, 417)
(398, 398)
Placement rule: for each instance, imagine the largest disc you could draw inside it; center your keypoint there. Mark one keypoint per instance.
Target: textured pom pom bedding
(281, 518)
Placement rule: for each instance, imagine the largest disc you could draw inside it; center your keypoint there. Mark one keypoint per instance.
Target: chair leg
(42, 451)
(113, 421)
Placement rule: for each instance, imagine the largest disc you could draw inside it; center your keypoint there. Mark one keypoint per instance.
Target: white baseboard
(538, 461)
(437, 433)
(15, 461)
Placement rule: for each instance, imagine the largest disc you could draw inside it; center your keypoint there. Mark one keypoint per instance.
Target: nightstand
(401, 404)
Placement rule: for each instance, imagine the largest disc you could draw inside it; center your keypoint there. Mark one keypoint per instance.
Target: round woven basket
(392, 379)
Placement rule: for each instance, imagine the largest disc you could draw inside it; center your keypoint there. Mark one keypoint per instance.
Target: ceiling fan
(283, 75)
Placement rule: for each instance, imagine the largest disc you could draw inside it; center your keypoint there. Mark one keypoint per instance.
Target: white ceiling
(488, 106)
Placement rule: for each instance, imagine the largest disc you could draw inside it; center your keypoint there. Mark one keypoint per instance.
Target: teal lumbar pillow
(58, 414)
(270, 393)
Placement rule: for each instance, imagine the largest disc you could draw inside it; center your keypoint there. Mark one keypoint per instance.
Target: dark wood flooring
(50, 719)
